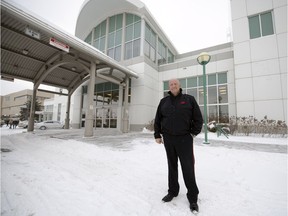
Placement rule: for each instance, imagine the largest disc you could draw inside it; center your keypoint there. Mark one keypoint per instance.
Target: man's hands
(159, 140)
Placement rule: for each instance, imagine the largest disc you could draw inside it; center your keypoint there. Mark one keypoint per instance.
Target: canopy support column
(125, 120)
(67, 120)
(89, 112)
(32, 110)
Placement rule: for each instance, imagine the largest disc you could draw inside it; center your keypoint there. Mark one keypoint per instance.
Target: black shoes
(168, 198)
(194, 207)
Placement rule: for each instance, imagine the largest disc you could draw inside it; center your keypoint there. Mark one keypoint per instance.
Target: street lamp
(203, 59)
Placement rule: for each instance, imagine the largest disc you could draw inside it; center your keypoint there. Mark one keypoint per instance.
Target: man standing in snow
(178, 117)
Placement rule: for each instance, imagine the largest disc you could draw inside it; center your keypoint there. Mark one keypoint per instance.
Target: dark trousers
(181, 147)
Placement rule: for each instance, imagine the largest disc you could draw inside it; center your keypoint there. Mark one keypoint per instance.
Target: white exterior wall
(55, 101)
(260, 63)
(144, 96)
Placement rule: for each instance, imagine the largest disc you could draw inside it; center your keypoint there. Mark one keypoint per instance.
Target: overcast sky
(189, 24)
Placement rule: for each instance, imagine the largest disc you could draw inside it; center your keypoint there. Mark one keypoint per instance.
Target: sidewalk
(114, 137)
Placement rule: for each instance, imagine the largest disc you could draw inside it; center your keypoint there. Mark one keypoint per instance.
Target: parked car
(25, 123)
(49, 125)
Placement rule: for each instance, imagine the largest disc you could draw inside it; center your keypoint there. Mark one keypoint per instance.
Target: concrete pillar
(90, 96)
(67, 119)
(125, 111)
(32, 110)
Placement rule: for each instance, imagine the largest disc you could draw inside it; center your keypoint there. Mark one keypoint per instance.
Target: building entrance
(106, 117)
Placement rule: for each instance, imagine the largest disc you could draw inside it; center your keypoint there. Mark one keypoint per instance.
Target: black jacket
(178, 115)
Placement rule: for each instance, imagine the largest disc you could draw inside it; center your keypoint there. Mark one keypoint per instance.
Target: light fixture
(203, 58)
(25, 51)
(73, 68)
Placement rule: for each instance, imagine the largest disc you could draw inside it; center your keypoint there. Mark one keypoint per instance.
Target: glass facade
(106, 100)
(121, 33)
(217, 94)
(150, 43)
(261, 25)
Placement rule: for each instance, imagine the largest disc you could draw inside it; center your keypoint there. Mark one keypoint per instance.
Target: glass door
(106, 117)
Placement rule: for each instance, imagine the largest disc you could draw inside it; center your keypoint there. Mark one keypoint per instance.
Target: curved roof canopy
(36, 51)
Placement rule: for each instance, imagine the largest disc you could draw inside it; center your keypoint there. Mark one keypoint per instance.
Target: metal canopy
(27, 53)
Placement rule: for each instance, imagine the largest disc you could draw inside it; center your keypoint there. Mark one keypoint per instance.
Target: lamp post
(203, 59)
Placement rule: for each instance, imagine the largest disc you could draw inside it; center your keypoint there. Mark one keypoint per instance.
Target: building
(11, 104)
(246, 77)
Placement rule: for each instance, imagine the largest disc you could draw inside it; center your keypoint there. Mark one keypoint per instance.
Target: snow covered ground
(60, 173)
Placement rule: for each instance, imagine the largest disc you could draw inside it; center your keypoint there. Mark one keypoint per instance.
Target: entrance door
(106, 117)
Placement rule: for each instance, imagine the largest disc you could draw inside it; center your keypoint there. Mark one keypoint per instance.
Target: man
(178, 117)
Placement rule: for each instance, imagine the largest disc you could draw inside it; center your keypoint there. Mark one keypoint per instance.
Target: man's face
(174, 86)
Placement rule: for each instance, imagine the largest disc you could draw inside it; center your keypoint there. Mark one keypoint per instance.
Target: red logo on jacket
(182, 102)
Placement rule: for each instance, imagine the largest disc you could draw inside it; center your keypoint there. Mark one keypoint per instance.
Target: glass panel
(153, 39)
(110, 53)
(129, 19)
(107, 86)
(129, 33)
(212, 79)
(119, 21)
(100, 87)
(165, 94)
(97, 32)
(213, 113)
(115, 97)
(266, 24)
(166, 85)
(200, 80)
(103, 28)
(111, 37)
(88, 38)
(100, 98)
(115, 86)
(102, 44)
(107, 97)
(118, 39)
(146, 48)
(117, 55)
(193, 92)
(136, 48)
(254, 27)
(128, 50)
(147, 32)
(183, 83)
(223, 114)
(137, 30)
(112, 22)
(105, 119)
(152, 54)
(222, 78)
(223, 94)
(136, 18)
(201, 95)
(192, 82)
(99, 114)
(96, 43)
(212, 95)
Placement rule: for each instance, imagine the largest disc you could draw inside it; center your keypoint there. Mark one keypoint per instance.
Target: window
(162, 53)
(170, 56)
(115, 37)
(89, 38)
(132, 36)
(150, 43)
(217, 94)
(100, 36)
(261, 25)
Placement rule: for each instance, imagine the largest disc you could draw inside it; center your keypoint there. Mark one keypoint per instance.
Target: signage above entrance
(59, 44)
